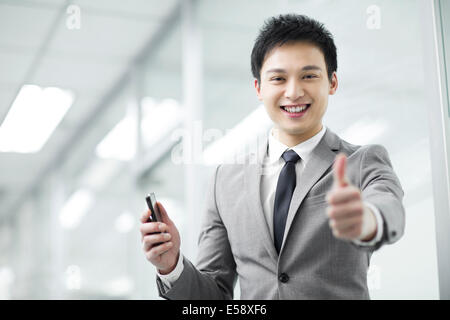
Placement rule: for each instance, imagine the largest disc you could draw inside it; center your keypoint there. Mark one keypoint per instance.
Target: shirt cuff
(170, 278)
(379, 221)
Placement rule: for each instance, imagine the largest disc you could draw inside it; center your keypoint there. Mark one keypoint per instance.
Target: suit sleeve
(214, 275)
(381, 187)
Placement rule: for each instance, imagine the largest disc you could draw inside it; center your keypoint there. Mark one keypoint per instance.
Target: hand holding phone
(161, 240)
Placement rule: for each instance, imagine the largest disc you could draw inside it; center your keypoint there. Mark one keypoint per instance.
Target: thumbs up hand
(348, 217)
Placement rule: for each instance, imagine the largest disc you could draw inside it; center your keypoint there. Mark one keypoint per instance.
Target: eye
(309, 76)
(276, 79)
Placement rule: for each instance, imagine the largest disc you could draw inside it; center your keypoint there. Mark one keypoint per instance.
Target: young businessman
(303, 221)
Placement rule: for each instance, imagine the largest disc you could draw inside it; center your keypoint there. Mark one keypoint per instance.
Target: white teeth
(295, 109)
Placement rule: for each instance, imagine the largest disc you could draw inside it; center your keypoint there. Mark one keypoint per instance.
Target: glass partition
(379, 100)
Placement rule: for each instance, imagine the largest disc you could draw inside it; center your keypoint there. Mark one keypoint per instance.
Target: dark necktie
(285, 189)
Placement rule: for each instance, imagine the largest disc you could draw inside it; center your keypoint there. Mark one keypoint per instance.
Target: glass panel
(379, 101)
(444, 10)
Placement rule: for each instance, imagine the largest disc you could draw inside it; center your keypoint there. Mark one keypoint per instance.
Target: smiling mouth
(296, 109)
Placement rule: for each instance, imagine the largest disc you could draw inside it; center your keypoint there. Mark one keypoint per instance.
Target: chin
(294, 131)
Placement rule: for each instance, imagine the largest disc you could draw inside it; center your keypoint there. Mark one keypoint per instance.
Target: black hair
(279, 30)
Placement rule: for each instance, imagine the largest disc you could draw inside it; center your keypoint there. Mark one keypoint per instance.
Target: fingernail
(161, 226)
(167, 236)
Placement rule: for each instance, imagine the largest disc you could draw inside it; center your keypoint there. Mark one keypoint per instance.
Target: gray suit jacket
(312, 264)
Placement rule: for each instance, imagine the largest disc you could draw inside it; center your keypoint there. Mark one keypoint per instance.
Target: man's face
(294, 76)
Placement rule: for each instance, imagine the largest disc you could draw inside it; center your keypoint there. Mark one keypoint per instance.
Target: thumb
(339, 171)
(164, 216)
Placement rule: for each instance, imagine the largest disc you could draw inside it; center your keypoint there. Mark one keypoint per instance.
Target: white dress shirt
(273, 163)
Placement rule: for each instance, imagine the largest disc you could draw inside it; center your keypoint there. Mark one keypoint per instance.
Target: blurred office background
(116, 99)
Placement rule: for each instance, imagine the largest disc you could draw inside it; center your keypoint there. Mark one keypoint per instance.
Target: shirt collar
(303, 149)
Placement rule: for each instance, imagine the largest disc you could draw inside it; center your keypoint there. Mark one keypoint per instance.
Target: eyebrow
(305, 68)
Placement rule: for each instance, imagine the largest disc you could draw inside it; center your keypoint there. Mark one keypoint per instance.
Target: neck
(292, 140)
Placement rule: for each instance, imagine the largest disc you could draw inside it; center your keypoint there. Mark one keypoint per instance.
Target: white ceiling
(37, 47)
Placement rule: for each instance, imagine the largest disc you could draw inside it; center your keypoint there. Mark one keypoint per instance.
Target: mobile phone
(155, 216)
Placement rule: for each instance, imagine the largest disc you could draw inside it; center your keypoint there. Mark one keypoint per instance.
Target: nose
(293, 90)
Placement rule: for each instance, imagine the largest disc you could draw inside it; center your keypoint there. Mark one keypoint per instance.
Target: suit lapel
(252, 183)
(322, 157)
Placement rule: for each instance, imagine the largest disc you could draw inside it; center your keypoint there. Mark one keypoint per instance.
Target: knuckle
(359, 209)
(162, 237)
(150, 240)
(331, 212)
(329, 197)
(354, 207)
(148, 256)
(151, 254)
(146, 240)
(153, 226)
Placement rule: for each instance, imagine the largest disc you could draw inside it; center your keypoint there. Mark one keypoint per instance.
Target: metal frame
(192, 102)
(439, 126)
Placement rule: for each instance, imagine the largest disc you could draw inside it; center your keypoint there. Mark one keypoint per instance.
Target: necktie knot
(290, 156)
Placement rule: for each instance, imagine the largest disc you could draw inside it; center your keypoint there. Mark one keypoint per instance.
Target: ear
(258, 90)
(333, 84)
